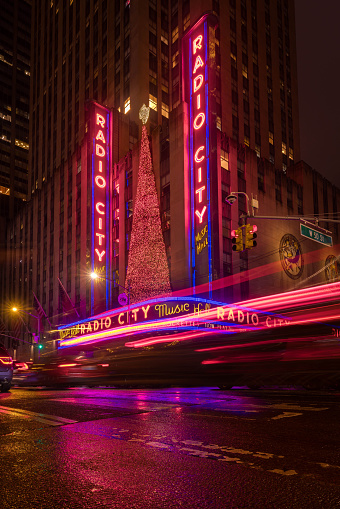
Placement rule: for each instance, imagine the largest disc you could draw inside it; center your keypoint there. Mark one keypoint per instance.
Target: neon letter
(200, 214)
(119, 319)
(101, 237)
(100, 255)
(220, 313)
(100, 204)
(197, 123)
(199, 191)
(197, 44)
(102, 181)
(198, 81)
(134, 313)
(198, 101)
(199, 174)
(197, 159)
(100, 120)
(100, 136)
(146, 309)
(198, 63)
(100, 151)
(100, 223)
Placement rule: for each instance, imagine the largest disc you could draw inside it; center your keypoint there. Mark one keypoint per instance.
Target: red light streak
(6, 361)
(168, 339)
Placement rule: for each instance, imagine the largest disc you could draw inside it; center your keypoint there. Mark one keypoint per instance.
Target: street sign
(316, 235)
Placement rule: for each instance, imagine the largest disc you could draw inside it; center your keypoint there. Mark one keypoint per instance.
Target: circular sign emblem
(123, 299)
(291, 256)
(332, 268)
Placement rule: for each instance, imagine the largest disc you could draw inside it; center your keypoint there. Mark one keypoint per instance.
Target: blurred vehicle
(21, 370)
(66, 371)
(6, 369)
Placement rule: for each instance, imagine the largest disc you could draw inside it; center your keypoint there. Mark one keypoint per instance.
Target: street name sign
(316, 235)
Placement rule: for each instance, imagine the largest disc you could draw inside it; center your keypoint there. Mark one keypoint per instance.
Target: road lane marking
(283, 472)
(258, 460)
(286, 414)
(52, 420)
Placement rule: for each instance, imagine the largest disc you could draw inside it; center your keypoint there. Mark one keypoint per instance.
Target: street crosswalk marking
(52, 420)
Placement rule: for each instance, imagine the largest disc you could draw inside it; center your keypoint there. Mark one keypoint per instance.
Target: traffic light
(250, 235)
(40, 346)
(237, 239)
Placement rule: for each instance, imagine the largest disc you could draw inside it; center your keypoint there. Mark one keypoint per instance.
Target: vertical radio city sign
(198, 82)
(100, 181)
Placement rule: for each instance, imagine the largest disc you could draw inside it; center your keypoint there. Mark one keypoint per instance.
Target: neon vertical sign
(100, 188)
(197, 83)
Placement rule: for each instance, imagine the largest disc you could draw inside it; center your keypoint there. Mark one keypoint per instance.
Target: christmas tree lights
(148, 272)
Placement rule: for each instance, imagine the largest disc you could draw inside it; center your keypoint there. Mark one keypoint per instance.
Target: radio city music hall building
(221, 82)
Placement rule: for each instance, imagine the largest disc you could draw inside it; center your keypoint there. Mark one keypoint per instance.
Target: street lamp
(16, 310)
(94, 275)
(232, 197)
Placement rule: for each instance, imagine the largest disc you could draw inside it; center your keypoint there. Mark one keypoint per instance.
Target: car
(6, 370)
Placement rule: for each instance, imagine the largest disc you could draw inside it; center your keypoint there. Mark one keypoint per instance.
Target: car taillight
(7, 361)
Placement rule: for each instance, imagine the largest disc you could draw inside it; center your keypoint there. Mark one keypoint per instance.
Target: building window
(165, 110)
(186, 22)
(127, 105)
(174, 35)
(152, 102)
(278, 186)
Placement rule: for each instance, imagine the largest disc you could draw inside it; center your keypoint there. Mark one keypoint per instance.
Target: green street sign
(316, 235)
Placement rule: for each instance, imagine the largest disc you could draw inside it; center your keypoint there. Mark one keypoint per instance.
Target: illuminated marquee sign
(198, 81)
(100, 192)
(179, 313)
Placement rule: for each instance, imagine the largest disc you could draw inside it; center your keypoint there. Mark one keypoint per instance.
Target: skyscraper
(15, 34)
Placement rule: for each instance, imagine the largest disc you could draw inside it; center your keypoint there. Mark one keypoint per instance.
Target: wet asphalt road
(170, 448)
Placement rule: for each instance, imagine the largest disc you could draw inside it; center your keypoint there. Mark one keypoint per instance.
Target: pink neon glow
(100, 151)
(100, 255)
(100, 136)
(198, 82)
(200, 214)
(199, 192)
(197, 43)
(100, 181)
(323, 293)
(99, 206)
(168, 339)
(198, 63)
(100, 120)
(199, 159)
(100, 236)
(197, 124)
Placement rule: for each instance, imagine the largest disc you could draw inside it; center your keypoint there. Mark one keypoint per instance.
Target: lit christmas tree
(148, 272)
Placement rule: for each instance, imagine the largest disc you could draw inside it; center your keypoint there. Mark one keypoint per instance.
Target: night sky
(318, 48)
